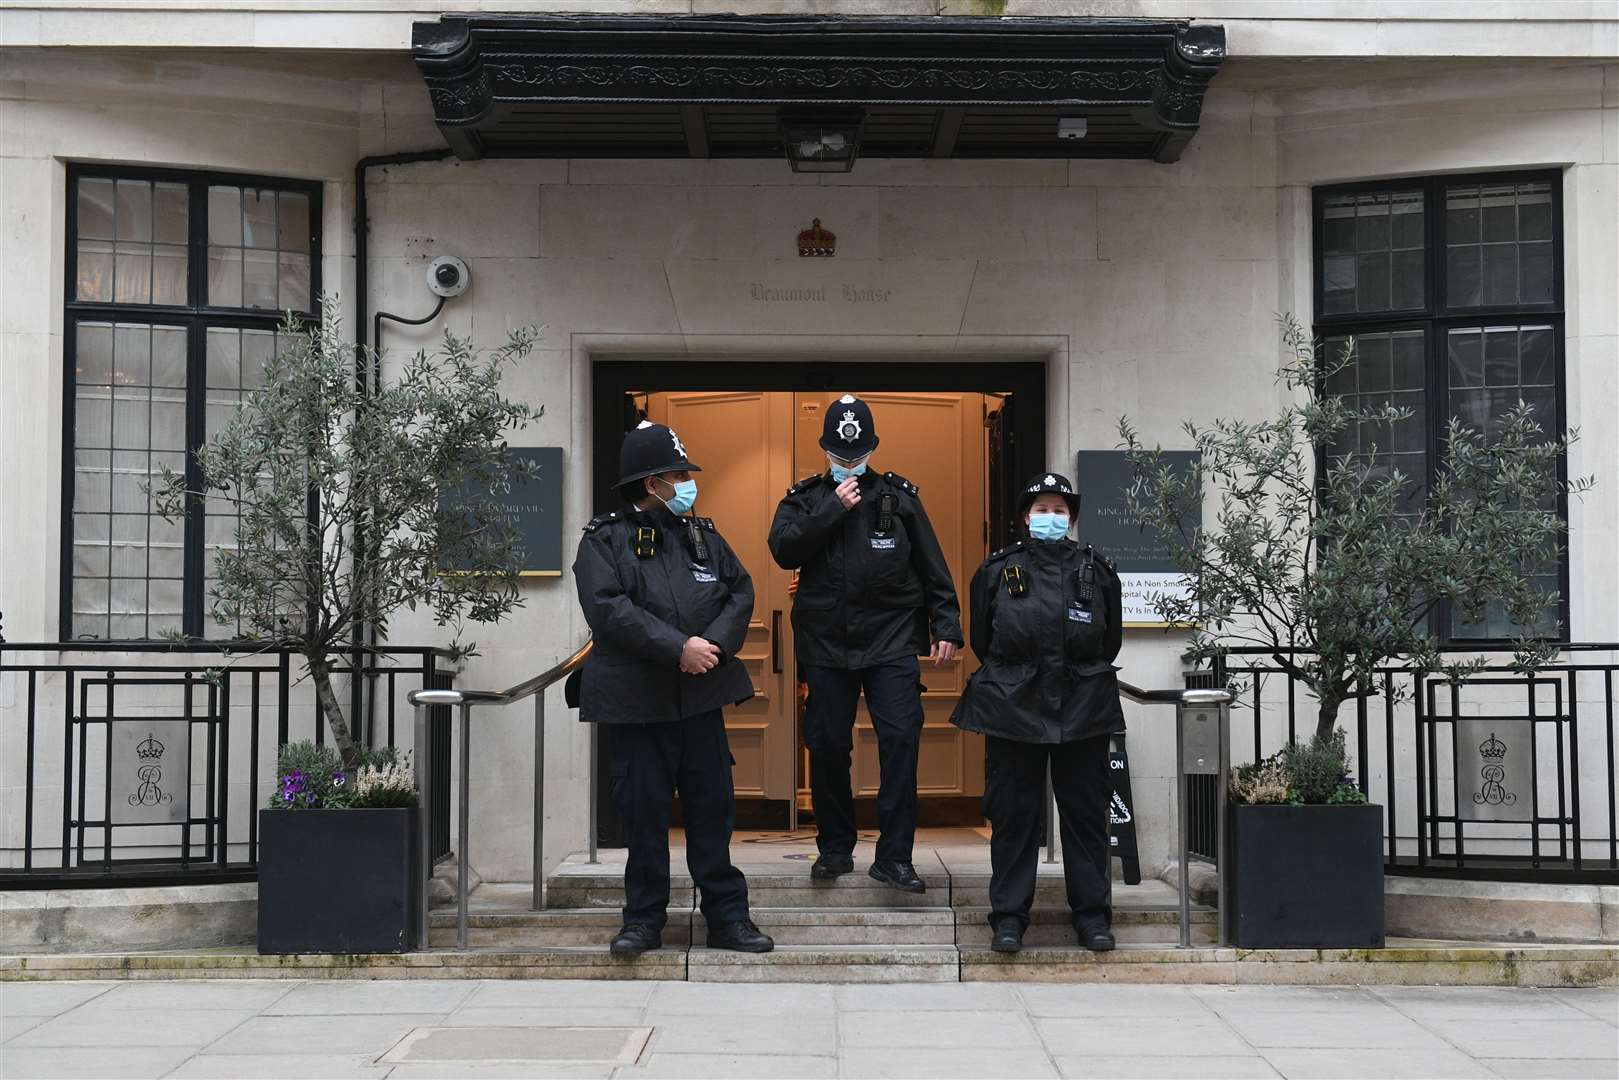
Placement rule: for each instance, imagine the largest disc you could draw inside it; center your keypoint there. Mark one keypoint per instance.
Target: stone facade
(1148, 290)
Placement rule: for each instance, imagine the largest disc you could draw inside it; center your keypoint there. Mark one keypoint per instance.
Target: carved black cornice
(478, 67)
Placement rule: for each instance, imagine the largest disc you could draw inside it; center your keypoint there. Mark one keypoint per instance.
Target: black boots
(1008, 936)
(1096, 937)
(829, 866)
(739, 936)
(901, 875)
(635, 939)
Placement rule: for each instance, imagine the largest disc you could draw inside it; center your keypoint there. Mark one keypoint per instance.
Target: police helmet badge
(1051, 481)
(849, 429)
(679, 446)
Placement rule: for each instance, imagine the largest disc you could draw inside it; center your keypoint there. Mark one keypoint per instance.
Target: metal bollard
(463, 811)
(424, 825)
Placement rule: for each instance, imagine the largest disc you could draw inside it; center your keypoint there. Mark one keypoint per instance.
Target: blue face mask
(1048, 527)
(685, 497)
(840, 474)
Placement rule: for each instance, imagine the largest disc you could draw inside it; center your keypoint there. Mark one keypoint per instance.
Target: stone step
(789, 926)
(1052, 926)
(827, 964)
(1156, 963)
(765, 890)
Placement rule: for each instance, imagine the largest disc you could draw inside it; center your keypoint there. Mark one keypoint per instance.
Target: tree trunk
(327, 699)
(1327, 717)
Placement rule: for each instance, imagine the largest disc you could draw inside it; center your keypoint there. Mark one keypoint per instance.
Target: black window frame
(1436, 318)
(196, 317)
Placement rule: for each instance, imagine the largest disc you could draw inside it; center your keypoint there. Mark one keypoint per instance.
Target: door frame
(613, 379)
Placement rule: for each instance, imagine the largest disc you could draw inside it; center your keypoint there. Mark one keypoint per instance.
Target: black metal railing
(192, 731)
(1501, 775)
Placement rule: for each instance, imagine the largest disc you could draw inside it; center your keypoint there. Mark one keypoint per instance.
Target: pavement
(472, 1028)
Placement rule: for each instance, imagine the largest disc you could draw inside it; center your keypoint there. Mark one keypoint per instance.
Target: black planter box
(337, 881)
(1305, 877)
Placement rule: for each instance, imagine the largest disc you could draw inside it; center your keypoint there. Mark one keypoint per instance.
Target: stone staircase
(849, 930)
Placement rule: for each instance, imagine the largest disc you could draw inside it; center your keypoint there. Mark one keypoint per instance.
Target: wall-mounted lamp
(822, 141)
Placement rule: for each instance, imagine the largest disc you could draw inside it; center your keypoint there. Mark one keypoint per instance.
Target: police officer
(668, 604)
(1045, 622)
(873, 592)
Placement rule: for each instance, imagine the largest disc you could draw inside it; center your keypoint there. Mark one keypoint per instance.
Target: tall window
(1452, 289)
(176, 282)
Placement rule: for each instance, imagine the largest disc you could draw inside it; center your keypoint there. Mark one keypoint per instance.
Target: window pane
(258, 218)
(132, 274)
(137, 402)
(225, 277)
(134, 211)
(171, 222)
(95, 209)
(225, 216)
(1370, 227)
(294, 282)
(292, 221)
(258, 278)
(258, 346)
(224, 357)
(95, 270)
(1507, 364)
(1498, 245)
(1384, 360)
(168, 274)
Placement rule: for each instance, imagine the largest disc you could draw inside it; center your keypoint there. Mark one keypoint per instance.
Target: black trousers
(1014, 802)
(650, 762)
(894, 699)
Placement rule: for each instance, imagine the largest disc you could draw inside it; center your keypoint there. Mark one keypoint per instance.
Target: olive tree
(337, 488)
(1337, 563)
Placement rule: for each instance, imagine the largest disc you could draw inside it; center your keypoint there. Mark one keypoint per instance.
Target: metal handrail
(465, 699)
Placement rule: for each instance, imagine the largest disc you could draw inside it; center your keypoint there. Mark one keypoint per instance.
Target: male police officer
(873, 591)
(668, 604)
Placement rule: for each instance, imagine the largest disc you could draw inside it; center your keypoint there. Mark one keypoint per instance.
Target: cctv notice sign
(1146, 569)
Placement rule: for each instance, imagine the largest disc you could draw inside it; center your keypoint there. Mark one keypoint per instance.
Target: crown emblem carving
(1492, 749)
(816, 242)
(149, 749)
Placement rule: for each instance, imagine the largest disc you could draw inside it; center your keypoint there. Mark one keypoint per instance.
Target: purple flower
(337, 779)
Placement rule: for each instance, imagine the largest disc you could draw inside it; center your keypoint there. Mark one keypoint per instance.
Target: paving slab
(1336, 1064)
(1325, 1029)
(194, 994)
(903, 1031)
(1425, 1003)
(372, 996)
(133, 1027)
(967, 1064)
(281, 1066)
(570, 993)
(717, 999)
(1132, 1035)
(527, 1016)
(122, 1062)
(720, 1033)
(740, 1066)
(1091, 1000)
(941, 997)
(1601, 1002)
(346, 1034)
(524, 1070)
(12, 1026)
(1513, 1038)
(1535, 1068)
(1163, 1067)
(47, 999)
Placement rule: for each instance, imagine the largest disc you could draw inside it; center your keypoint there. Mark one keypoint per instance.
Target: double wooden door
(752, 446)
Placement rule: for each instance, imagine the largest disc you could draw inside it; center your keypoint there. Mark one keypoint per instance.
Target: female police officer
(668, 604)
(1045, 623)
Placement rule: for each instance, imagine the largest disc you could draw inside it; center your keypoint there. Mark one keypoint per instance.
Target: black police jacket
(873, 585)
(645, 589)
(1047, 644)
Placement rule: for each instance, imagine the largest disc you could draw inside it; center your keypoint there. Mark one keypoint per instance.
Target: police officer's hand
(848, 493)
(699, 656)
(942, 653)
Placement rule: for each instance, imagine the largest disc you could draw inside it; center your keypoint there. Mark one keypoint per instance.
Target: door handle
(775, 642)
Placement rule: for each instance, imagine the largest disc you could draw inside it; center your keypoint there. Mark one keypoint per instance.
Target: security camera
(448, 276)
